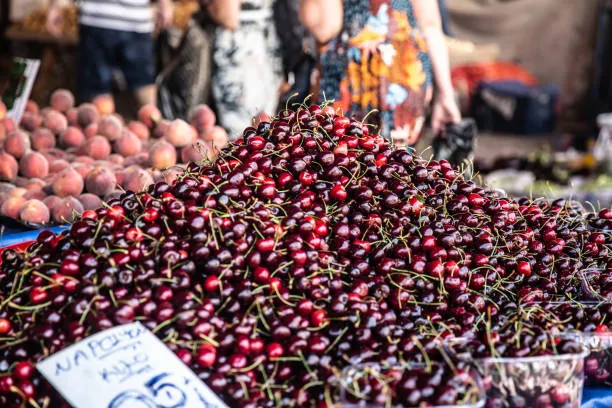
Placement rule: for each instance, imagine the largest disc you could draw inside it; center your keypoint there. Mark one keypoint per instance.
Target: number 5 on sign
(125, 367)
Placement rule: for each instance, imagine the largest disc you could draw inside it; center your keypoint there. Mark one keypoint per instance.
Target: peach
(119, 118)
(128, 144)
(149, 115)
(34, 211)
(161, 129)
(171, 175)
(83, 168)
(83, 159)
(55, 166)
(219, 138)
(51, 201)
(9, 125)
(55, 154)
(2, 133)
(8, 167)
(215, 132)
(141, 160)
(34, 195)
(44, 111)
(104, 104)
(113, 194)
(17, 143)
(116, 159)
(181, 134)
(91, 131)
(21, 182)
(162, 155)
(32, 107)
(33, 165)
(55, 122)
(71, 137)
(61, 100)
(68, 182)
(97, 148)
(110, 127)
(72, 116)
(6, 187)
(196, 152)
(31, 121)
(67, 210)
(2, 110)
(87, 114)
(120, 176)
(35, 184)
(137, 180)
(202, 117)
(140, 130)
(90, 201)
(42, 139)
(100, 181)
(10, 207)
(18, 191)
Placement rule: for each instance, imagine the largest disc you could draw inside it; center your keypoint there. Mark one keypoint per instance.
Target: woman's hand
(55, 20)
(445, 111)
(165, 15)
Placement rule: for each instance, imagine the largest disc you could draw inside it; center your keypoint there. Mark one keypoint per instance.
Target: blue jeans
(102, 50)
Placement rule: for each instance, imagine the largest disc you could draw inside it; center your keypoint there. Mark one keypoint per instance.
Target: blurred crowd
(382, 61)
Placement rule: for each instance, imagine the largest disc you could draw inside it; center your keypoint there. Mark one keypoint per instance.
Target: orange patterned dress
(378, 68)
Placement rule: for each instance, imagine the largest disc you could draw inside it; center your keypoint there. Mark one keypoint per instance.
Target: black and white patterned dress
(247, 67)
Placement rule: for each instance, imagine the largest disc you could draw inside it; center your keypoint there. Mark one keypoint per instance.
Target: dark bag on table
(185, 76)
(456, 143)
(298, 49)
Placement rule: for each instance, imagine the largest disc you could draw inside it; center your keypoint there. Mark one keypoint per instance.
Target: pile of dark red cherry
(309, 245)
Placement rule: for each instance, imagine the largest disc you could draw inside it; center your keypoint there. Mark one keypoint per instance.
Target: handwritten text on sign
(125, 367)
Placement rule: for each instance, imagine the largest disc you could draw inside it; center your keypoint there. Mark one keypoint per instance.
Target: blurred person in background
(115, 34)
(247, 62)
(380, 58)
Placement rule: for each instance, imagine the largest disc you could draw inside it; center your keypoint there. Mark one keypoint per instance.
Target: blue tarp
(597, 398)
(14, 234)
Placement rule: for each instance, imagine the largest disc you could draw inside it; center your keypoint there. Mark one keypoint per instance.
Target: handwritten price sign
(125, 367)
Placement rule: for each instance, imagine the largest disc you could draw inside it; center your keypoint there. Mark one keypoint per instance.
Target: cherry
(338, 193)
(5, 326)
(523, 268)
(23, 371)
(206, 355)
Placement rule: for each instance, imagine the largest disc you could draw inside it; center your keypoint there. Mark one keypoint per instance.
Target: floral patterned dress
(247, 67)
(378, 68)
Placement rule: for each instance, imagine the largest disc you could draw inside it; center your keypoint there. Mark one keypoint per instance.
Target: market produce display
(312, 245)
(64, 159)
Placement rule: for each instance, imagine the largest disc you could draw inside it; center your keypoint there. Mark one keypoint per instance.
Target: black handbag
(184, 80)
(298, 49)
(456, 143)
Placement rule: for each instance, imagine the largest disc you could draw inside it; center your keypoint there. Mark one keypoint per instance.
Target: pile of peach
(64, 159)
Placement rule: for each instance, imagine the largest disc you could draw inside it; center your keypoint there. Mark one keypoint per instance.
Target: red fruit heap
(309, 245)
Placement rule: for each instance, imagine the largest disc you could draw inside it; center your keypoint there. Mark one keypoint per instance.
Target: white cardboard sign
(125, 367)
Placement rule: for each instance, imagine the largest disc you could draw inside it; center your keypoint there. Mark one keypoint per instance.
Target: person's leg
(95, 66)
(138, 66)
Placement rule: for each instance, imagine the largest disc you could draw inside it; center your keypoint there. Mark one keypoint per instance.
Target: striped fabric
(124, 15)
